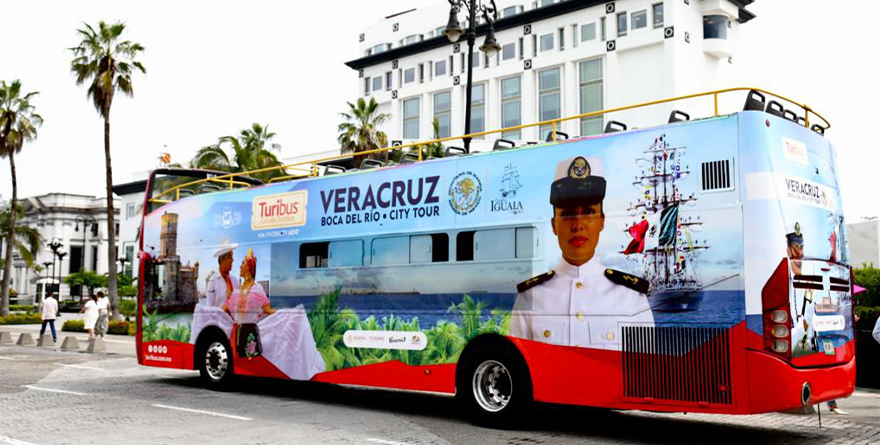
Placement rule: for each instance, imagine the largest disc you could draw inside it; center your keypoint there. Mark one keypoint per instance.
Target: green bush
(22, 308)
(118, 328)
(867, 317)
(869, 278)
(74, 326)
(21, 319)
(128, 308)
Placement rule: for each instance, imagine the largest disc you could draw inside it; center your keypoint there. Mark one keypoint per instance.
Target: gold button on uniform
(579, 285)
(547, 334)
(609, 336)
(580, 316)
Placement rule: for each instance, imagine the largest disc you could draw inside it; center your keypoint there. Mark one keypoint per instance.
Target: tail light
(776, 309)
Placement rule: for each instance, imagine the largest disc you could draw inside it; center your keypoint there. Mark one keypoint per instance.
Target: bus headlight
(779, 316)
(780, 331)
(780, 346)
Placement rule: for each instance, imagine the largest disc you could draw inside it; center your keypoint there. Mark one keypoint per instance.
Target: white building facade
(864, 243)
(558, 58)
(79, 222)
(131, 206)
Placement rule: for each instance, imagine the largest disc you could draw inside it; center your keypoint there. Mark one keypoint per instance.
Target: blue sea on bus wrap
(720, 309)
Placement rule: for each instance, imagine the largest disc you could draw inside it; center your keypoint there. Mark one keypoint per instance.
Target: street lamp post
(490, 46)
(61, 256)
(57, 248)
(83, 219)
(46, 265)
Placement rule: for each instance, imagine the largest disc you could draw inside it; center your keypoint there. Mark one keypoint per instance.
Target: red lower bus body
(757, 382)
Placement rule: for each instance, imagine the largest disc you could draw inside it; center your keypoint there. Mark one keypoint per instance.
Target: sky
(213, 68)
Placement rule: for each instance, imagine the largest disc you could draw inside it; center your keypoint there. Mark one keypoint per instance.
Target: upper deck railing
(309, 168)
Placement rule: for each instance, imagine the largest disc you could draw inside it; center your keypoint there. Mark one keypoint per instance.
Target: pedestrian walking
(103, 322)
(91, 311)
(47, 315)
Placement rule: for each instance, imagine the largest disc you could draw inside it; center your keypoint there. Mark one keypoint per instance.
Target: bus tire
(214, 361)
(494, 386)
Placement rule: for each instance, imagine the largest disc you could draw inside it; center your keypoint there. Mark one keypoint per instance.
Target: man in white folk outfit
(579, 302)
(221, 285)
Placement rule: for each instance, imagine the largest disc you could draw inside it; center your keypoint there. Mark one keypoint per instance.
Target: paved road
(52, 397)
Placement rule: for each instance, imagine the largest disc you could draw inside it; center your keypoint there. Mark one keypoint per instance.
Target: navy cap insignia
(534, 281)
(579, 168)
(633, 282)
(797, 228)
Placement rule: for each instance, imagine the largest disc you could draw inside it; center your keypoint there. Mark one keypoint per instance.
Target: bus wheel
(495, 388)
(215, 362)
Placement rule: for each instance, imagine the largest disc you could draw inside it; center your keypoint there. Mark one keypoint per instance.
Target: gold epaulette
(534, 281)
(633, 282)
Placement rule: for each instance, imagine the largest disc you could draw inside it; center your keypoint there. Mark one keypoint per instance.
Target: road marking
(386, 442)
(198, 411)
(11, 441)
(91, 368)
(37, 388)
(8, 358)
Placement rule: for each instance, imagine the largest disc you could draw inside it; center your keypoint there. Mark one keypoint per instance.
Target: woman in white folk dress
(91, 311)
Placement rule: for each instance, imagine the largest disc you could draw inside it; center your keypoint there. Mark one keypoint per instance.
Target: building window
(715, 27)
(314, 255)
(475, 59)
(439, 31)
(439, 68)
(442, 114)
(561, 39)
(388, 81)
(129, 211)
(463, 65)
(509, 11)
(640, 19)
(508, 51)
(366, 86)
(658, 15)
(411, 118)
(511, 107)
(129, 257)
(602, 23)
(546, 42)
(380, 48)
(377, 83)
(478, 109)
(621, 24)
(546, 3)
(116, 229)
(549, 99)
(409, 40)
(588, 32)
(409, 75)
(590, 87)
(421, 73)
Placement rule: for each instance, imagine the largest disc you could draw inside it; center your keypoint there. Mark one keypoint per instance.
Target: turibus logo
(281, 210)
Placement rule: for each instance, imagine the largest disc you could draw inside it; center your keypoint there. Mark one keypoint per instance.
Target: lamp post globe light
(490, 46)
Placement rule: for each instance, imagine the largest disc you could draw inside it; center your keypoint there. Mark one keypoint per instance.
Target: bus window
(433, 248)
(312, 255)
(154, 277)
(496, 244)
(464, 246)
(393, 250)
(526, 242)
(346, 253)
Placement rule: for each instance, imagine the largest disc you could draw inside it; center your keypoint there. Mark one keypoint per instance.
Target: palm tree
(106, 62)
(249, 152)
(359, 133)
(18, 123)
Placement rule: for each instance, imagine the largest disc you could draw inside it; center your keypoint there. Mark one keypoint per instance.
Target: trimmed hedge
(115, 327)
(22, 308)
(21, 319)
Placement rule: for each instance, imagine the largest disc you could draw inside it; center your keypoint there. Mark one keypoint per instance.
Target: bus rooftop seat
(503, 144)
(790, 115)
(818, 129)
(614, 127)
(564, 136)
(755, 101)
(678, 116)
(211, 188)
(371, 163)
(186, 192)
(802, 121)
(409, 158)
(775, 108)
(333, 169)
(455, 151)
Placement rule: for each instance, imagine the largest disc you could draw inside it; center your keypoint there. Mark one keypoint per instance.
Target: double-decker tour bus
(699, 266)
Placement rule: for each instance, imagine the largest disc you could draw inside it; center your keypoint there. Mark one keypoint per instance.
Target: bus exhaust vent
(716, 175)
(677, 364)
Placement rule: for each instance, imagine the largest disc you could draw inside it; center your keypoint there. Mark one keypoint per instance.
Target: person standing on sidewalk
(103, 322)
(91, 311)
(47, 315)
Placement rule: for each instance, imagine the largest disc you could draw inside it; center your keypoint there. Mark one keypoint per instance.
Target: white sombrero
(225, 247)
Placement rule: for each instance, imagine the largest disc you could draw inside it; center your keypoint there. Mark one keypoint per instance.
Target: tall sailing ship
(664, 248)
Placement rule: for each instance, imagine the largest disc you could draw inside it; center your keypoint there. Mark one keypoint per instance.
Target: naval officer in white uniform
(579, 302)
(221, 285)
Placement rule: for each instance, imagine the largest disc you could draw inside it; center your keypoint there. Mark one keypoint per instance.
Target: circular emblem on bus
(464, 193)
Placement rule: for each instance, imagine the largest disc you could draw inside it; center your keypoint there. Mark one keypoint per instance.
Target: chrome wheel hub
(216, 360)
(492, 386)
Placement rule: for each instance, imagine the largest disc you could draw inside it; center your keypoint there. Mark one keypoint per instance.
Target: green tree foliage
(250, 150)
(87, 278)
(18, 124)
(360, 132)
(445, 340)
(27, 239)
(153, 330)
(868, 302)
(106, 61)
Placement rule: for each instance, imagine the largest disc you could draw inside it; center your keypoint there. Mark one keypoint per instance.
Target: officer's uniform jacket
(579, 306)
(216, 289)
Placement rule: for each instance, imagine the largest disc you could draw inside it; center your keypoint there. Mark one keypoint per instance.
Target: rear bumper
(775, 385)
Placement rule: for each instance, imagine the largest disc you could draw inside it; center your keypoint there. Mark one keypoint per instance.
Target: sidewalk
(115, 344)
